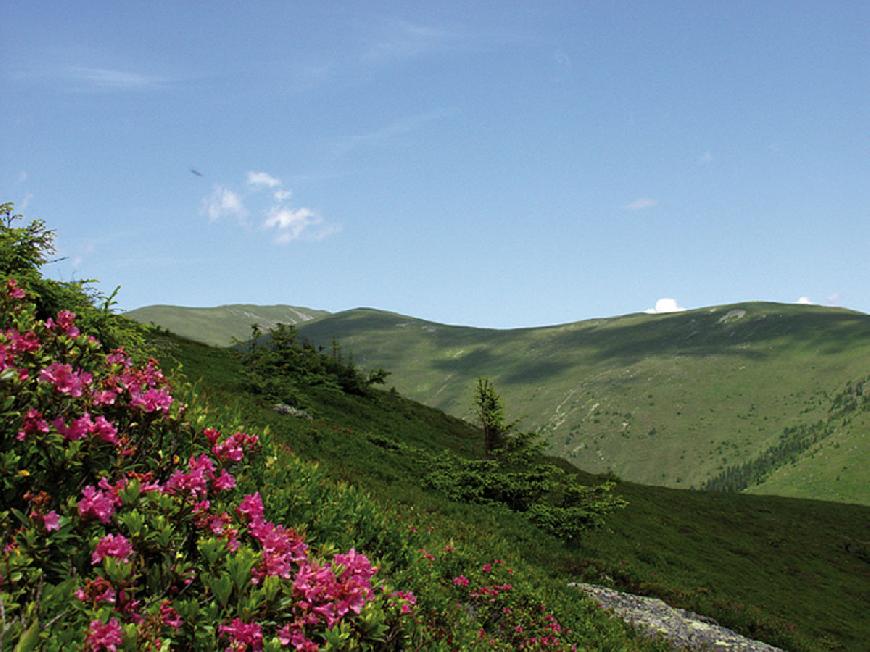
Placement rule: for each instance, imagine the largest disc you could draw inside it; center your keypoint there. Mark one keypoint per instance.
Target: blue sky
(488, 163)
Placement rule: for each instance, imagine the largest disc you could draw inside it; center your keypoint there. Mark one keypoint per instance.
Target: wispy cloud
(706, 158)
(22, 176)
(641, 203)
(114, 80)
(223, 202)
(260, 180)
(403, 39)
(665, 305)
(393, 130)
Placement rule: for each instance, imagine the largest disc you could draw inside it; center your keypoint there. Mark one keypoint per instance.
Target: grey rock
(684, 629)
(289, 410)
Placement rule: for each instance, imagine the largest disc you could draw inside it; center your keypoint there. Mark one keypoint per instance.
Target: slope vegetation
(676, 400)
(660, 399)
(786, 571)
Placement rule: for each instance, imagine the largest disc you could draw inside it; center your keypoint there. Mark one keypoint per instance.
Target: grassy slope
(219, 326)
(793, 572)
(658, 399)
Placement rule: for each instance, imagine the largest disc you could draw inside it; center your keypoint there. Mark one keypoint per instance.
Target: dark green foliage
(24, 250)
(278, 365)
(515, 474)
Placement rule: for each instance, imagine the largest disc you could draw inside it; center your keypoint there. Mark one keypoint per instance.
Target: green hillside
(790, 572)
(660, 399)
(221, 325)
(673, 400)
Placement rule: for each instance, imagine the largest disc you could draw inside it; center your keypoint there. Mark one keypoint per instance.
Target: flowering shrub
(124, 526)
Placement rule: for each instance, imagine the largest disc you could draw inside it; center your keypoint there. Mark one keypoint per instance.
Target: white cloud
(259, 180)
(295, 223)
(641, 203)
(281, 195)
(665, 305)
(25, 202)
(805, 301)
(223, 202)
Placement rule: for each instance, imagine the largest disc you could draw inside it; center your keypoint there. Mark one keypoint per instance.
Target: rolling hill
(689, 399)
(221, 325)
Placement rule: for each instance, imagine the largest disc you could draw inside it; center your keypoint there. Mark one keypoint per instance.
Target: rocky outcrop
(684, 629)
(289, 410)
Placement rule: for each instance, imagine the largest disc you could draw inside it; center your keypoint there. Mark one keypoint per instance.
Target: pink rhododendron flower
(281, 548)
(104, 397)
(294, 634)
(212, 435)
(169, 616)
(106, 636)
(98, 504)
(19, 343)
(103, 429)
(112, 545)
(77, 429)
(64, 379)
(66, 320)
(242, 635)
(234, 447)
(98, 590)
(225, 481)
(13, 290)
(32, 423)
(251, 507)
(151, 400)
(51, 521)
(461, 580)
(119, 356)
(200, 470)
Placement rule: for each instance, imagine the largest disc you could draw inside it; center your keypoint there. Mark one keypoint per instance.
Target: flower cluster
(108, 473)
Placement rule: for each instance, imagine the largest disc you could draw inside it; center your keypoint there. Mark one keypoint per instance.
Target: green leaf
(28, 639)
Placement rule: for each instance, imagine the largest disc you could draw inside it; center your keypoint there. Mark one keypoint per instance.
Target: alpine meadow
(434, 327)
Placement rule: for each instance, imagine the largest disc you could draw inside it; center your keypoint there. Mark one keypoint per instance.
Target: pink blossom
(112, 545)
(293, 634)
(103, 429)
(13, 290)
(169, 616)
(212, 435)
(67, 322)
(460, 580)
(96, 591)
(234, 447)
(33, 423)
(281, 548)
(51, 521)
(251, 507)
(77, 429)
(225, 481)
(151, 400)
(119, 356)
(19, 343)
(104, 397)
(104, 636)
(242, 635)
(64, 379)
(98, 504)
(195, 481)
